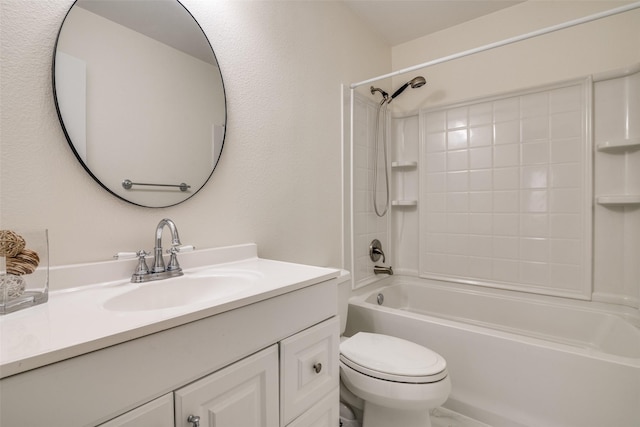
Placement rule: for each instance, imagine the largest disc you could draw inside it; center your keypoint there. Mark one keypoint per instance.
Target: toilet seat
(392, 359)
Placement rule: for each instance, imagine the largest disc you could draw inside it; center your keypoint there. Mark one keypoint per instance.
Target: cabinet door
(157, 413)
(244, 394)
(309, 367)
(325, 413)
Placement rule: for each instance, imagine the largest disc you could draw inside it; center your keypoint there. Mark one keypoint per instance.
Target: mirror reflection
(140, 97)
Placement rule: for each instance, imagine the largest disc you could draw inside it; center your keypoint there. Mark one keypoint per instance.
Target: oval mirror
(140, 98)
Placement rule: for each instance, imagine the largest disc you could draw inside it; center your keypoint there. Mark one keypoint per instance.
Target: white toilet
(394, 382)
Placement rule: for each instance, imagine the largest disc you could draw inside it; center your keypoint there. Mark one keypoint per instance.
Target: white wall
(602, 45)
(278, 183)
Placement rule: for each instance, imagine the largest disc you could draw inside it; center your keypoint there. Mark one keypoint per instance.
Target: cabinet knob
(317, 367)
(194, 420)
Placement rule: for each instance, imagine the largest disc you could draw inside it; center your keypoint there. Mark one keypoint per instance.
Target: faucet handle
(180, 249)
(142, 267)
(173, 260)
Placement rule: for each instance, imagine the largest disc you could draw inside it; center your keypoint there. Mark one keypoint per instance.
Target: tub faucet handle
(375, 251)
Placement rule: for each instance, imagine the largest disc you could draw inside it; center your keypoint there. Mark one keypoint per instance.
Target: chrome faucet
(158, 262)
(158, 271)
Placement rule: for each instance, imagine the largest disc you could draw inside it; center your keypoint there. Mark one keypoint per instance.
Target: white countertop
(75, 321)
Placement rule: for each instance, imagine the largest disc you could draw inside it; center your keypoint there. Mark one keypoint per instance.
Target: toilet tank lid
(392, 355)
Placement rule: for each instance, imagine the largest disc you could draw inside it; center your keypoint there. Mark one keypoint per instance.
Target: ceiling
(398, 21)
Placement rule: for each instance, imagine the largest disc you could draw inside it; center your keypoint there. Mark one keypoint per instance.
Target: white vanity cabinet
(272, 363)
(157, 413)
(244, 394)
(309, 371)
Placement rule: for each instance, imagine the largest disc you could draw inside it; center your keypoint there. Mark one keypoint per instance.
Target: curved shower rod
(547, 30)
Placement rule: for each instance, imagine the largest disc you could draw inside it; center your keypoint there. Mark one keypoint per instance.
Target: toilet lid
(392, 358)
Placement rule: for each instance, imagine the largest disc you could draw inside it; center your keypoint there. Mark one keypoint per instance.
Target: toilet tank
(344, 292)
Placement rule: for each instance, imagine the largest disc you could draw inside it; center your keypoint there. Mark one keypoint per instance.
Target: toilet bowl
(393, 381)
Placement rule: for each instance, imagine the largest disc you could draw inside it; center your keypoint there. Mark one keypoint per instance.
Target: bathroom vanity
(265, 355)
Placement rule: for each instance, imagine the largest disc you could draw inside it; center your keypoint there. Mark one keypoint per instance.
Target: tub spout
(383, 270)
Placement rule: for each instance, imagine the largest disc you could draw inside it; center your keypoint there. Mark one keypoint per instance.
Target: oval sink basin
(192, 288)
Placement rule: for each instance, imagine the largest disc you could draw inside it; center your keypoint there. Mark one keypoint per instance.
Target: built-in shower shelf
(619, 200)
(404, 203)
(619, 144)
(404, 165)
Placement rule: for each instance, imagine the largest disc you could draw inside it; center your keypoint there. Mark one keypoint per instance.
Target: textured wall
(278, 183)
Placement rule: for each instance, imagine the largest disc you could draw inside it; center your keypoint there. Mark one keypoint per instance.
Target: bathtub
(515, 360)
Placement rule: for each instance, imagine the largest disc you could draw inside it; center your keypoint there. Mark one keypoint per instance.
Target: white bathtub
(515, 360)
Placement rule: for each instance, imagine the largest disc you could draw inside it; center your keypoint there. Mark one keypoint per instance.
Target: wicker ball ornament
(11, 243)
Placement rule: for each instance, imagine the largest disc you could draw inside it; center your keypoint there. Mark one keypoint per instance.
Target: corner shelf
(404, 165)
(619, 200)
(619, 144)
(404, 203)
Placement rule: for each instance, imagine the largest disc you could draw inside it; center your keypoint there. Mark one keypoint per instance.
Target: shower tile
(505, 247)
(436, 121)
(534, 104)
(506, 224)
(535, 273)
(457, 265)
(481, 224)
(533, 176)
(435, 263)
(565, 99)
(566, 150)
(506, 155)
(480, 268)
(480, 201)
(506, 133)
(457, 244)
(457, 223)
(534, 225)
(565, 175)
(565, 251)
(457, 118)
(565, 225)
(436, 202)
(534, 249)
(435, 242)
(436, 162)
(506, 110)
(534, 201)
(457, 139)
(565, 201)
(480, 158)
(506, 178)
(436, 182)
(458, 181)
(480, 180)
(505, 201)
(480, 114)
(480, 246)
(505, 270)
(436, 142)
(436, 222)
(534, 153)
(566, 125)
(457, 202)
(534, 128)
(457, 160)
(565, 276)
(481, 136)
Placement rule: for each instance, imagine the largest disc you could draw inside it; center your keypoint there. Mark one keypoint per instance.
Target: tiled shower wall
(505, 192)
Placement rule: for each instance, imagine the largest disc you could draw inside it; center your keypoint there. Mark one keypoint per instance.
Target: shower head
(415, 82)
